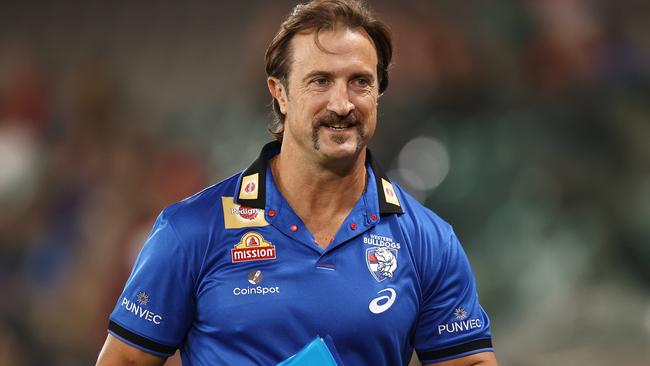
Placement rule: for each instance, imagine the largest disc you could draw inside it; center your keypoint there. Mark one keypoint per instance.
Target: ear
(278, 91)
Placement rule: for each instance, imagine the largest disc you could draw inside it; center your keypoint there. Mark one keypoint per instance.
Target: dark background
(523, 123)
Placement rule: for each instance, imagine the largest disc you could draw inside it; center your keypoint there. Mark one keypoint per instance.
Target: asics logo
(387, 301)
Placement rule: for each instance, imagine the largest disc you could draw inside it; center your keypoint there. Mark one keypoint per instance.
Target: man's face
(331, 105)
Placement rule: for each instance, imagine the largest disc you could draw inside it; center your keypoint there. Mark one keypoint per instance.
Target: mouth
(341, 130)
(339, 126)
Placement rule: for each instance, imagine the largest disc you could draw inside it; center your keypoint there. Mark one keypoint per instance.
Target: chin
(344, 145)
(335, 151)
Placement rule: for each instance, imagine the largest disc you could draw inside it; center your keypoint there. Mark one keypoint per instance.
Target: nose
(339, 101)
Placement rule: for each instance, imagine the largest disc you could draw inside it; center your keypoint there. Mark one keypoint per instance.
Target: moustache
(331, 118)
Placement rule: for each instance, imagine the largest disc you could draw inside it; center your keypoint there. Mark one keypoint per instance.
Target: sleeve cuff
(465, 349)
(139, 341)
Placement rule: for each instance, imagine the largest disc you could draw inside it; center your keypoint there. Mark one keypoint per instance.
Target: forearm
(118, 353)
(479, 359)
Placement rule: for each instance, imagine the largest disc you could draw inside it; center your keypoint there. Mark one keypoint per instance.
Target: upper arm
(451, 324)
(155, 309)
(116, 352)
(478, 359)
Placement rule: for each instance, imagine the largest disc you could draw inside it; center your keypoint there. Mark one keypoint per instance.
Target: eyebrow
(363, 74)
(317, 73)
(329, 74)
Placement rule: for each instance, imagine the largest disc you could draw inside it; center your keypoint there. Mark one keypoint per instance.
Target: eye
(362, 82)
(320, 81)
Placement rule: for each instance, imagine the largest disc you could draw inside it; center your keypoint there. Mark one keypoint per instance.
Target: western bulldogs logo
(382, 262)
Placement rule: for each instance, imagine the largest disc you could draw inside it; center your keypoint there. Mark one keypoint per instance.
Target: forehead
(341, 50)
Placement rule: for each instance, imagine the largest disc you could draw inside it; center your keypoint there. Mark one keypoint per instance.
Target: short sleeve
(155, 310)
(452, 323)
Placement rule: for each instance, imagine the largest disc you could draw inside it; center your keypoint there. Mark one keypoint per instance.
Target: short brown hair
(324, 15)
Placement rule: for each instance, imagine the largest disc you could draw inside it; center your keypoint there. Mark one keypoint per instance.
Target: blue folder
(319, 352)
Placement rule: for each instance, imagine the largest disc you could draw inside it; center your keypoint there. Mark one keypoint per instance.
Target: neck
(319, 189)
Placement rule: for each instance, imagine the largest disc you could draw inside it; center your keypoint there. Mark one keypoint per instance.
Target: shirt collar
(251, 188)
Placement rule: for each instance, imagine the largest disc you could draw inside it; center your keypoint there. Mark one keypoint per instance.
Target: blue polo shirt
(232, 276)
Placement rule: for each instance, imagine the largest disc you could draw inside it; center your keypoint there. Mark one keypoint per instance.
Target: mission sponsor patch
(252, 247)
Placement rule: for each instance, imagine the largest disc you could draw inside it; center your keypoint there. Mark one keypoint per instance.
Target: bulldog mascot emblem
(382, 262)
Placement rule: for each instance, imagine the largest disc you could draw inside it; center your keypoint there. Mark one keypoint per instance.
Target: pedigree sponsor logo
(246, 213)
(138, 309)
(236, 216)
(252, 247)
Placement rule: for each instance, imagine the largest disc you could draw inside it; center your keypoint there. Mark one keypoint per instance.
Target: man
(312, 239)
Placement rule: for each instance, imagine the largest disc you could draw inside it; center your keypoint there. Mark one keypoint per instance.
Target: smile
(339, 126)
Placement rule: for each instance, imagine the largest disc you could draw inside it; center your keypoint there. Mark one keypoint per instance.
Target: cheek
(308, 106)
(371, 118)
(371, 124)
(367, 106)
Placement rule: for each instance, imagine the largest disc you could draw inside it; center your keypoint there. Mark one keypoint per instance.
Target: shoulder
(198, 216)
(420, 222)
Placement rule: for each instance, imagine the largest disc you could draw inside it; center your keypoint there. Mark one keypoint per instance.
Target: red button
(353, 226)
(373, 217)
(271, 213)
(294, 228)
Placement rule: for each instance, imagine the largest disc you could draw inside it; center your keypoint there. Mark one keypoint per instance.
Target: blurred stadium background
(526, 124)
